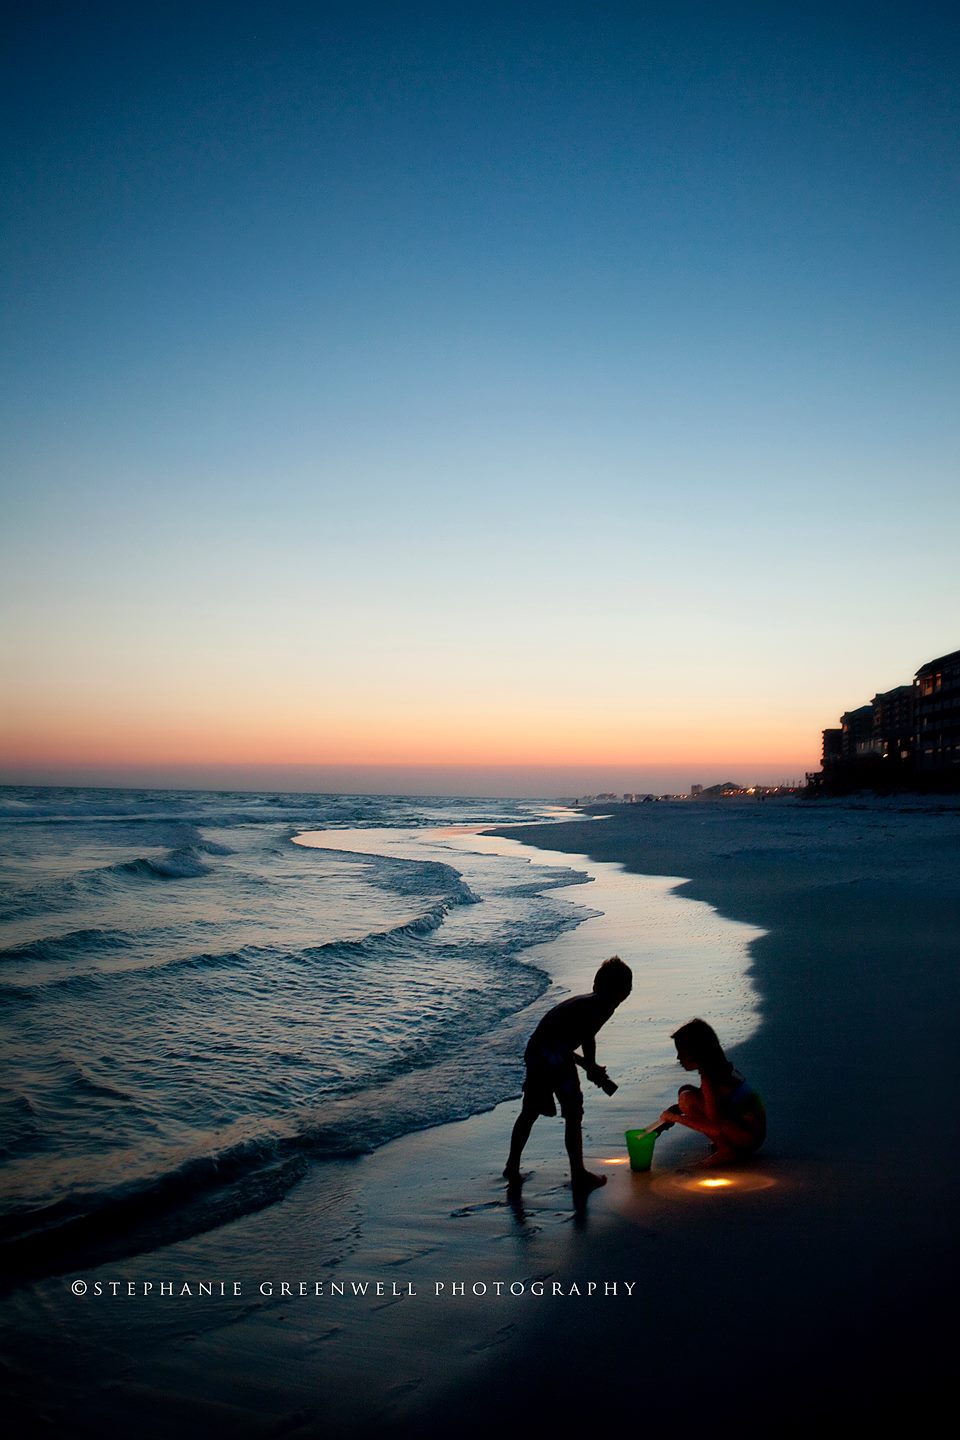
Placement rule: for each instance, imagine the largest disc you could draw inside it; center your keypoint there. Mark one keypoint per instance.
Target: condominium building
(937, 698)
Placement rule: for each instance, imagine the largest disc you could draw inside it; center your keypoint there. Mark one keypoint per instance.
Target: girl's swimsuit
(743, 1101)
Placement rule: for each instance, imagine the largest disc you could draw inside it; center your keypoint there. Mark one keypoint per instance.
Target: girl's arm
(674, 1117)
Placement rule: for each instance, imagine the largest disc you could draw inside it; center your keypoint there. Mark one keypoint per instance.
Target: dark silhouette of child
(552, 1068)
(724, 1107)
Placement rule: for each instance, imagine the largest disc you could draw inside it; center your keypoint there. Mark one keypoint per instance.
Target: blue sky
(474, 371)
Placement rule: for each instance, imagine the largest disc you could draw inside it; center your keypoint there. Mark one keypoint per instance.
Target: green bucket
(640, 1145)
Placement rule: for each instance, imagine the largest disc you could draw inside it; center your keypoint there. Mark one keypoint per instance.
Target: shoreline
(427, 1208)
(824, 1268)
(829, 1294)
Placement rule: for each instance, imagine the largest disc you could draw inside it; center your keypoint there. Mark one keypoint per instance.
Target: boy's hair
(613, 979)
(700, 1042)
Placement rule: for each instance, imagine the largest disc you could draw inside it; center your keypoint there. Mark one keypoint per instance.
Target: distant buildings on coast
(906, 738)
(726, 790)
(730, 790)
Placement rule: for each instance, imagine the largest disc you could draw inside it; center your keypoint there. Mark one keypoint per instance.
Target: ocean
(196, 1006)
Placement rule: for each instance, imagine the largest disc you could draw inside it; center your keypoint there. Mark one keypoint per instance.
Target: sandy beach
(828, 1295)
(816, 1285)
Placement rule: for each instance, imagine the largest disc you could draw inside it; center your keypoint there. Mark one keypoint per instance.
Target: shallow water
(193, 1008)
(201, 995)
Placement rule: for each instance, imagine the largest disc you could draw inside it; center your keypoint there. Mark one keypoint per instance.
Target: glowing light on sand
(703, 1185)
(616, 1160)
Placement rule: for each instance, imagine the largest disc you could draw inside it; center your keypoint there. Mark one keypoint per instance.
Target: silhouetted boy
(552, 1067)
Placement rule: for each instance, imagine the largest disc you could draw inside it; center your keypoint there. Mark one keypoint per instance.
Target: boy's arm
(597, 1074)
(589, 1061)
(589, 1044)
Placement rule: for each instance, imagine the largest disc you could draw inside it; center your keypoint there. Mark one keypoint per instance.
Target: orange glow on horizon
(242, 739)
(231, 709)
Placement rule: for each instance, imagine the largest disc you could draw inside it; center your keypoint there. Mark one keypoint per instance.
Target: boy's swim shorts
(552, 1073)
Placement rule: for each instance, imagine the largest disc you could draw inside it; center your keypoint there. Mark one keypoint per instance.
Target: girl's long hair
(700, 1042)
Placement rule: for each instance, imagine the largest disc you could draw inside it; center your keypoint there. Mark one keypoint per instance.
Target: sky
(478, 397)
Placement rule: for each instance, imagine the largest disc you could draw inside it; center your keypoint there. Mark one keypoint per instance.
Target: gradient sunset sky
(532, 395)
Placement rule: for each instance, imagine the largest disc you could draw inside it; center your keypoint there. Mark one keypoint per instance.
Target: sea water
(194, 1007)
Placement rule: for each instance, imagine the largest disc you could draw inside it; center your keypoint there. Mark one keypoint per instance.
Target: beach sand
(818, 1285)
(829, 1295)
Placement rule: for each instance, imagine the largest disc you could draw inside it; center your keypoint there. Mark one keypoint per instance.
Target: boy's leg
(519, 1138)
(583, 1179)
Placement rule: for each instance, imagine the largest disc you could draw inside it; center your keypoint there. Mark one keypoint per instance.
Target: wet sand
(830, 1293)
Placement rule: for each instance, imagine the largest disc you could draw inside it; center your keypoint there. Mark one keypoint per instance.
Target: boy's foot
(586, 1180)
(513, 1175)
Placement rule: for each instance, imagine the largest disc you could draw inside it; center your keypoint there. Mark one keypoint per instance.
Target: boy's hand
(602, 1079)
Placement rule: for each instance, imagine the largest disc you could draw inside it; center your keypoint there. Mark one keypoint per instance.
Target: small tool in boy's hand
(600, 1078)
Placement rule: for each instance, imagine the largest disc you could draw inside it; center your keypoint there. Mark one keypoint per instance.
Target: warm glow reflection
(616, 1160)
(741, 1183)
